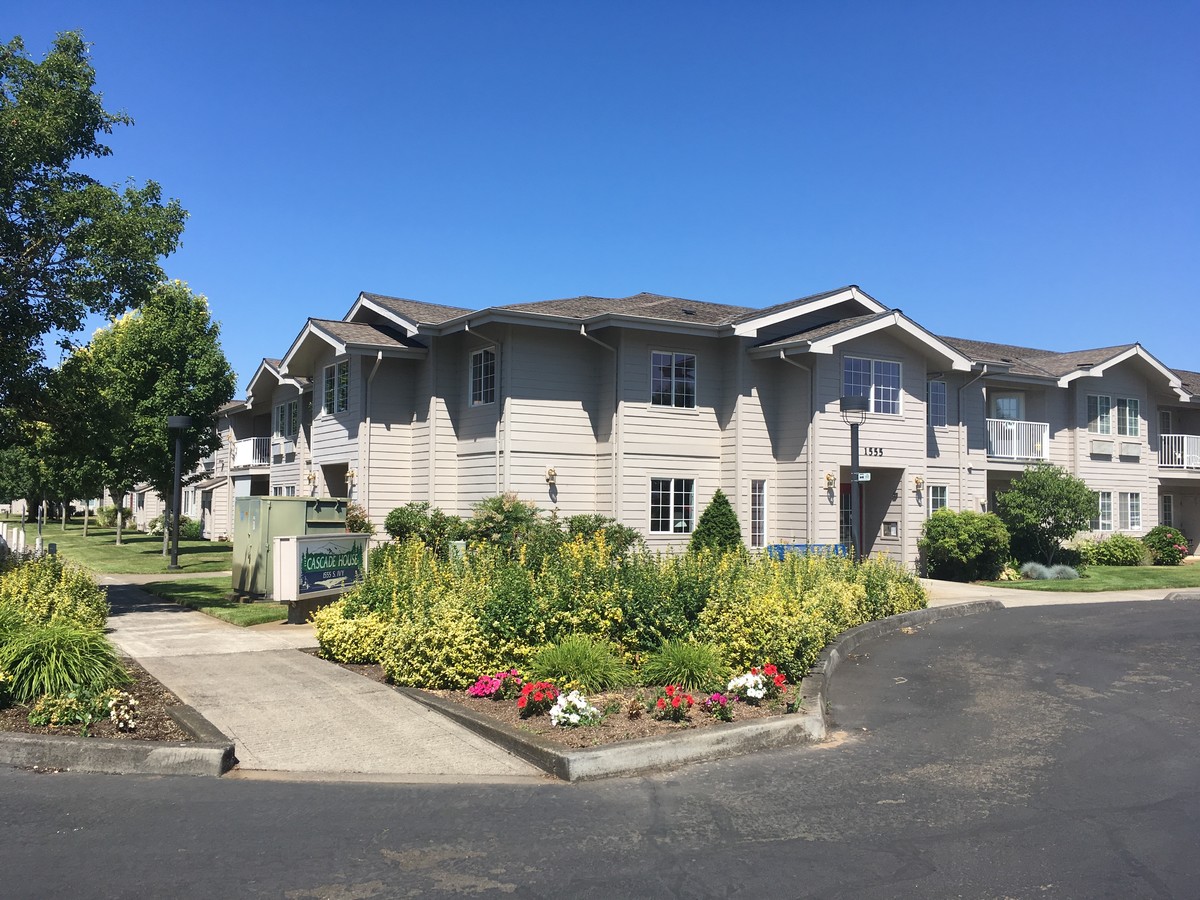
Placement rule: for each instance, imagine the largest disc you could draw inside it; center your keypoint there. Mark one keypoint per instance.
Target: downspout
(962, 435)
(365, 457)
(614, 436)
(813, 432)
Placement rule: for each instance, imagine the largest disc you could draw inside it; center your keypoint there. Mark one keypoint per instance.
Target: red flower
(670, 690)
(753, 671)
(675, 701)
(539, 697)
(662, 704)
(688, 699)
(779, 680)
(521, 701)
(769, 670)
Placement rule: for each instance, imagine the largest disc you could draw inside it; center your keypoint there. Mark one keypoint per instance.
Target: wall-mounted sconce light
(918, 482)
(551, 476)
(830, 480)
(350, 476)
(310, 476)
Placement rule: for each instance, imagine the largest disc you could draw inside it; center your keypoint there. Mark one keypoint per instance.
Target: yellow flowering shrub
(442, 648)
(358, 639)
(45, 589)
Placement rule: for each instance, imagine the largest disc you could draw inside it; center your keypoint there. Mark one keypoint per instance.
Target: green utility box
(257, 521)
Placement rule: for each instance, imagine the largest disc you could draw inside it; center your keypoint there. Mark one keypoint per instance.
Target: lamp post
(854, 413)
(178, 424)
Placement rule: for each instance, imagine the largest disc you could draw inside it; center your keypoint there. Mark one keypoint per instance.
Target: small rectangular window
(343, 385)
(935, 403)
(483, 377)
(330, 389)
(758, 513)
(673, 379)
(1129, 421)
(672, 505)
(1103, 520)
(1099, 412)
(937, 497)
(1130, 505)
(1166, 509)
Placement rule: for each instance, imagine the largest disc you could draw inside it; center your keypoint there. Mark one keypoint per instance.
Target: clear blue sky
(1020, 172)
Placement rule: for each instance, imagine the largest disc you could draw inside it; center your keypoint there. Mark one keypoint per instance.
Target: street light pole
(854, 413)
(178, 424)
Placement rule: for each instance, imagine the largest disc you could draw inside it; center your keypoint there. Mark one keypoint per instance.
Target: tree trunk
(167, 517)
(86, 507)
(64, 516)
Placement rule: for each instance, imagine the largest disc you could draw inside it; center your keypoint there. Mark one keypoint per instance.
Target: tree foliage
(1045, 506)
(69, 246)
(718, 528)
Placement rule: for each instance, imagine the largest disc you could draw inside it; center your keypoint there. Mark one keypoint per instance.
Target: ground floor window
(1103, 520)
(937, 498)
(1130, 506)
(758, 513)
(672, 505)
(845, 518)
(1166, 509)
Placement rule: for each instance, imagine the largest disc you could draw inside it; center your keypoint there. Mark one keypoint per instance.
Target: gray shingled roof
(416, 311)
(1191, 380)
(781, 307)
(824, 331)
(644, 305)
(361, 335)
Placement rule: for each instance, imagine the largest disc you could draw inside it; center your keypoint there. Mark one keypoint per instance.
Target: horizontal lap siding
(391, 395)
(335, 435)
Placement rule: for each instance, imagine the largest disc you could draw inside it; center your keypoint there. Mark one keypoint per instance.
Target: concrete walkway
(944, 593)
(289, 712)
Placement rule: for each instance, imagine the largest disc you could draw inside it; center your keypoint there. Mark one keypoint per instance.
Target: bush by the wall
(46, 589)
(106, 516)
(357, 520)
(718, 528)
(964, 546)
(359, 639)
(427, 524)
(621, 539)
(1114, 550)
(1167, 545)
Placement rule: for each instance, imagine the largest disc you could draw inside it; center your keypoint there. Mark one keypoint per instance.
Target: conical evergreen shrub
(718, 528)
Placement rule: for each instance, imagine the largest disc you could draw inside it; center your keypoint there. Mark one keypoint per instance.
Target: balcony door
(1007, 405)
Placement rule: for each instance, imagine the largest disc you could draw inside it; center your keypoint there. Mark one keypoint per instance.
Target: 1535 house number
(872, 451)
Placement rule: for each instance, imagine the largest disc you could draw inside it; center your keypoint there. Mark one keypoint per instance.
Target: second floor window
(287, 419)
(673, 379)
(1099, 412)
(876, 379)
(483, 377)
(337, 387)
(935, 403)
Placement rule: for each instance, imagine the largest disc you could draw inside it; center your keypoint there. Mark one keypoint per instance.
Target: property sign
(315, 566)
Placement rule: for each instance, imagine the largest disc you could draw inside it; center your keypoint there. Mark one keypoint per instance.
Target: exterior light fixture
(551, 476)
(830, 481)
(918, 482)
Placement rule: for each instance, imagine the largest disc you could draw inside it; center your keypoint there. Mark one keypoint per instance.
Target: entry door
(1007, 405)
(845, 531)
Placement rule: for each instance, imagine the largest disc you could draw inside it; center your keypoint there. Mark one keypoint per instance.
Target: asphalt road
(1047, 752)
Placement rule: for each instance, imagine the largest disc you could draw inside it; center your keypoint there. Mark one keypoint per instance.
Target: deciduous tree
(1045, 506)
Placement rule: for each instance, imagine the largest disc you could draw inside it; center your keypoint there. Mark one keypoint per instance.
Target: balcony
(251, 452)
(1179, 451)
(1018, 441)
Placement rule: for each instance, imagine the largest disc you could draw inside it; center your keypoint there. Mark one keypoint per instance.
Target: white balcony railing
(250, 452)
(1024, 441)
(1179, 451)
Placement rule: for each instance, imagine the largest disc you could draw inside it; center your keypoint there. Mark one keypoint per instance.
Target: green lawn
(139, 554)
(1116, 578)
(208, 596)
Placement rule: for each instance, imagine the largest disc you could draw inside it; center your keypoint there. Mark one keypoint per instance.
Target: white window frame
(1129, 505)
(939, 497)
(1104, 511)
(872, 391)
(287, 419)
(1129, 420)
(1099, 414)
(758, 513)
(676, 392)
(1166, 509)
(1165, 424)
(481, 375)
(335, 395)
(937, 411)
(681, 518)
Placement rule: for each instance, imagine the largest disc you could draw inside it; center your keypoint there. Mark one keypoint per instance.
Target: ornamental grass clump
(573, 710)
(673, 704)
(692, 665)
(58, 658)
(582, 661)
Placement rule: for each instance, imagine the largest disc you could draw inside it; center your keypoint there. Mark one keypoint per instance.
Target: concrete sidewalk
(289, 712)
(945, 593)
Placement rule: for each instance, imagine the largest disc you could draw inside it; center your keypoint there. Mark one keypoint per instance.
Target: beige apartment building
(641, 407)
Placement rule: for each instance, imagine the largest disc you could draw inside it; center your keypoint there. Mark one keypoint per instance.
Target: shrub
(1066, 573)
(580, 661)
(440, 646)
(190, 529)
(74, 708)
(427, 524)
(718, 528)
(357, 520)
(1043, 507)
(58, 658)
(620, 539)
(1167, 545)
(46, 589)
(502, 521)
(964, 546)
(1035, 571)
(695, 666)
(1114, 550)
(349, 640)
(106, 516)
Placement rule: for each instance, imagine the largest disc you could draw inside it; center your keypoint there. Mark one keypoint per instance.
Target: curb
(211, 753)
(646, 755)
(1183, 595)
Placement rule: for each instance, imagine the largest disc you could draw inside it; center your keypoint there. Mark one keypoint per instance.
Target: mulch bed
(617, 724)
(153, 723)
